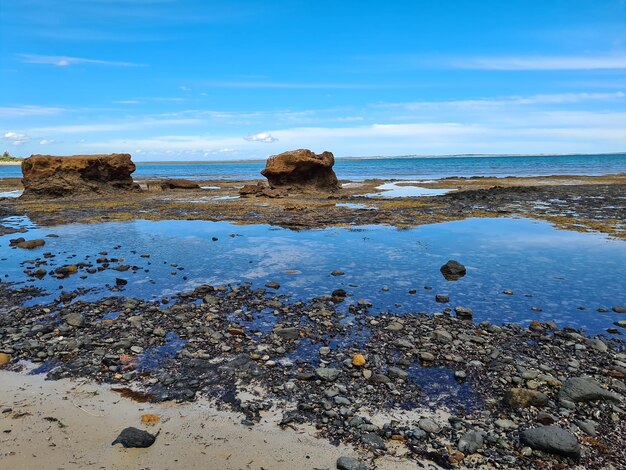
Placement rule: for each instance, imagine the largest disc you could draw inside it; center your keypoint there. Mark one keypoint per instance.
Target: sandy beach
(71, 424)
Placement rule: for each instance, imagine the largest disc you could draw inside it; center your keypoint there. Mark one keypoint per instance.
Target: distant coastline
(375, 157)
(16, 163)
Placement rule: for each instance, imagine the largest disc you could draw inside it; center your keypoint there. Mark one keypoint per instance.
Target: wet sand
(71, 424)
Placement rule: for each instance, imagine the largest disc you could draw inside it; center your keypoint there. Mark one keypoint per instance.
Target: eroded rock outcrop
(56, 176)
(302, 169)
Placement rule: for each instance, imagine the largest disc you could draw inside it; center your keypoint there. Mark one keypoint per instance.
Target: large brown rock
(55, 176)
(302, 169)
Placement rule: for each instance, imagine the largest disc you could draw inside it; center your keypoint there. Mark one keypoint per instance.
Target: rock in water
(583, 389)
(302, 169)
(54, 176)
(133, 437)
(552, 439)
(453, 270)
(348, 463)
(30, 244)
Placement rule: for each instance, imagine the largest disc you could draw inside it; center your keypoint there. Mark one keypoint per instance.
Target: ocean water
(568, 275)
(407, 168)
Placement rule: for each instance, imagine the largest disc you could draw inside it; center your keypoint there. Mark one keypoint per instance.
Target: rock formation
(55, 176)
(302, 169)
(164, 185)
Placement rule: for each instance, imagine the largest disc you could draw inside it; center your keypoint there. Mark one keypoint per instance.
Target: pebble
(348, 463)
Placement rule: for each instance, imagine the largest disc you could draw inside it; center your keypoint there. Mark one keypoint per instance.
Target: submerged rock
(56, 176)
(133, 437)
(302, 168)
(552, 439)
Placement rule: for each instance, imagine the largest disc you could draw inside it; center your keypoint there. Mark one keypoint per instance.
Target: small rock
(348, 463)
(616, 308)
(288, 334)
(552, 439)
(272, 285)
(584, 389)
(30, 244)
(453, 270)
(471, 442)
(429, 425)
(133, 437)
(327, 373)
(4, 359)
(464, 312)
(358, 360)
(523, 398)
(442, 299)
(75, 319)
(373, 441)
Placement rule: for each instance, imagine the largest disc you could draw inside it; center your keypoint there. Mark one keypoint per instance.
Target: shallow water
(395, 190)
(557, 271)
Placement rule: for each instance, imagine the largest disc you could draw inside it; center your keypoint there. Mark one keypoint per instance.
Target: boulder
(55, 176)
(133, 437)
(302, 169)
(30, 244)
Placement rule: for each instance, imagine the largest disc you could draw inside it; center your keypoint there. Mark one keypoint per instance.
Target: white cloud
(261, 137)
(47, 141)
(16, 138)
(539, 62)
(65, 61)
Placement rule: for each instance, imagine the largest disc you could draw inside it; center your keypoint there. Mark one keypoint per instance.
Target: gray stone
(453, 270)
(429, 425)
(589, 427)
(327, 373)
(288, 334)
(373, 441)
(75, 319)
(619, 308)
(552, 439)
(442, 336)
(348, 463)
(397, 373)
(464, 312)
(471, 442)
(584, 389)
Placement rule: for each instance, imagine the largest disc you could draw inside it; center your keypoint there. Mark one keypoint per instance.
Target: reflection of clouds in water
(276, 255)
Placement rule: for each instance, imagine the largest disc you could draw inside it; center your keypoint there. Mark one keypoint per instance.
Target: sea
(402, 168)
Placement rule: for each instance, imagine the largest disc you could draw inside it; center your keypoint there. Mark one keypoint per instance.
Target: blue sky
(223, 80)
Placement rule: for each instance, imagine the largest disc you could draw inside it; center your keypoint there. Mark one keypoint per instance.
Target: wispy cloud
(29, 110)
(16, 138)
(66, 61)
(261, 137)
(543, 62)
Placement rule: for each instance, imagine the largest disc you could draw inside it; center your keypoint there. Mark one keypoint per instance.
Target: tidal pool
(406, 190)
(566, 275)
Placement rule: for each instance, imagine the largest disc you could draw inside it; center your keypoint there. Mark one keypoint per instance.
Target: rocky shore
(426, 387)
(573, 203)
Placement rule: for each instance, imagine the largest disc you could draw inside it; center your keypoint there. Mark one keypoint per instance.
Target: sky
(184, 80)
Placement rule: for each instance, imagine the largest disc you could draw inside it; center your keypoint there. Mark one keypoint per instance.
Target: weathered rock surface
(133, 437)
(302, 169)
(583, 389)
(552, 439)
(55, 176)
